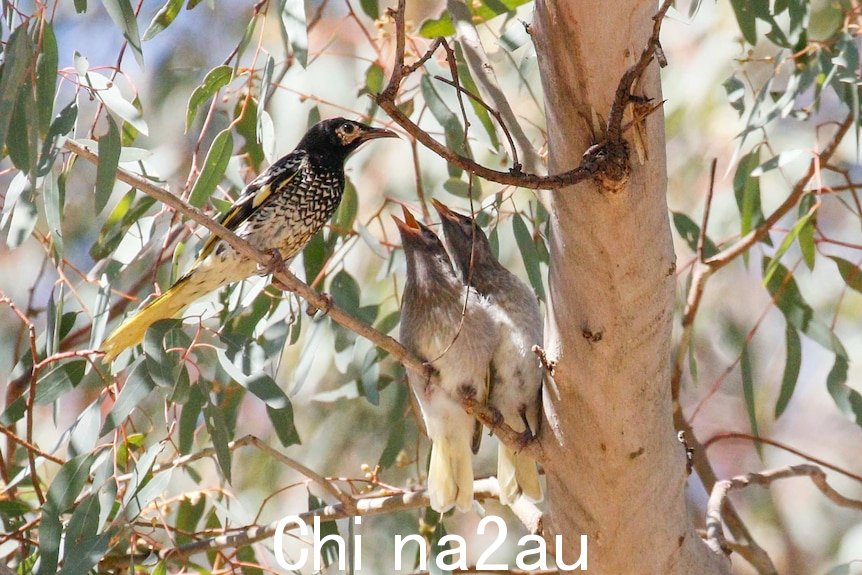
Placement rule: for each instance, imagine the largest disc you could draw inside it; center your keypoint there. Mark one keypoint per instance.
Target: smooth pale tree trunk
(616, 471)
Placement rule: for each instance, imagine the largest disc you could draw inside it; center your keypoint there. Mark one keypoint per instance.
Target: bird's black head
(336, 138)
(467, 242)
(426, 257)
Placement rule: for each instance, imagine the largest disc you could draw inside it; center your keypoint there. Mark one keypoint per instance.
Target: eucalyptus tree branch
(288, 280)
(31, 397)
(609, 156)
(704, 267)
(30, 447)
(715, 535)
(622, 96)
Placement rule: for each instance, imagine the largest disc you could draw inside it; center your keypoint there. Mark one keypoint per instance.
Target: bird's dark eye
(348, 128)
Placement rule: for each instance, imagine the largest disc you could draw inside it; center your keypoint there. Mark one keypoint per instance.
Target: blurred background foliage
(200, 96)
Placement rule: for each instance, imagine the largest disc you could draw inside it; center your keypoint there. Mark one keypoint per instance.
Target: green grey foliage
(215, 103)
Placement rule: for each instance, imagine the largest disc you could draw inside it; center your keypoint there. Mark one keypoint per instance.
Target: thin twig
(701, 238)
(747, 436)
(491, 111)
(31, 447)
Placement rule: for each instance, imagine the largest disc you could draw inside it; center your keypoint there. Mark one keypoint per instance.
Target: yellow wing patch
(235, 216)
(255, 194)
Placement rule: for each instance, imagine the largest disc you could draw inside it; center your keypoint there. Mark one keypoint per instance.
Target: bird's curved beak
(370, 133)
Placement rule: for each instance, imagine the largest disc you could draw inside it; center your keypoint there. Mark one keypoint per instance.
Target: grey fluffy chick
(516, 376)
(459, 342)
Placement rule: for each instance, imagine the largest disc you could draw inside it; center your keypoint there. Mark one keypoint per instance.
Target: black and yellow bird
(280, 210)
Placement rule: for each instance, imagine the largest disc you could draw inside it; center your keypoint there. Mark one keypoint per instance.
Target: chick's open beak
(409, 227)
(444, 211)
(409, 219)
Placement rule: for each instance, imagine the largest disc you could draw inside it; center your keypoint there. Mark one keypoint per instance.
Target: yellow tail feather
(450, 475)
(517, 475)
(169, 304)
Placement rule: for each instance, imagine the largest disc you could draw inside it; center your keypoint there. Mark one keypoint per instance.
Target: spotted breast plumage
(279, 211)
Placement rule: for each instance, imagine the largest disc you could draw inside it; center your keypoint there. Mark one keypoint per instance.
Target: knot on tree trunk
(613, 158)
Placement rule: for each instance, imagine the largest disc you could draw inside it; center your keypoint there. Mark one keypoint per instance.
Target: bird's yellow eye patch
(348, 132)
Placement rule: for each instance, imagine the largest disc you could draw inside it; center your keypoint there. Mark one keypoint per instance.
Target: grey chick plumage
(516, 379)
(451, 326)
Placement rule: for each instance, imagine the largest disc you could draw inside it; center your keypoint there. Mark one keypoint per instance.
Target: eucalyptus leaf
(792, 364)
(371, 8)
(529, 254)
(215, 79)
(123, 15)
(748, 394)
(109, 93)
(850, 272)
(106, 170)
(690, 232)
(214, 168)
(17, 55)
(294, 29)
(68, 483)
(46, 76)
(163, 18)
(138, 386)
(84, 547)
(216, 425)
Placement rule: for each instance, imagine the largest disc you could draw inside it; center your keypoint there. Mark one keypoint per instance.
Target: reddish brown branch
(742, 245)
(623, 93)
(783, 446)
